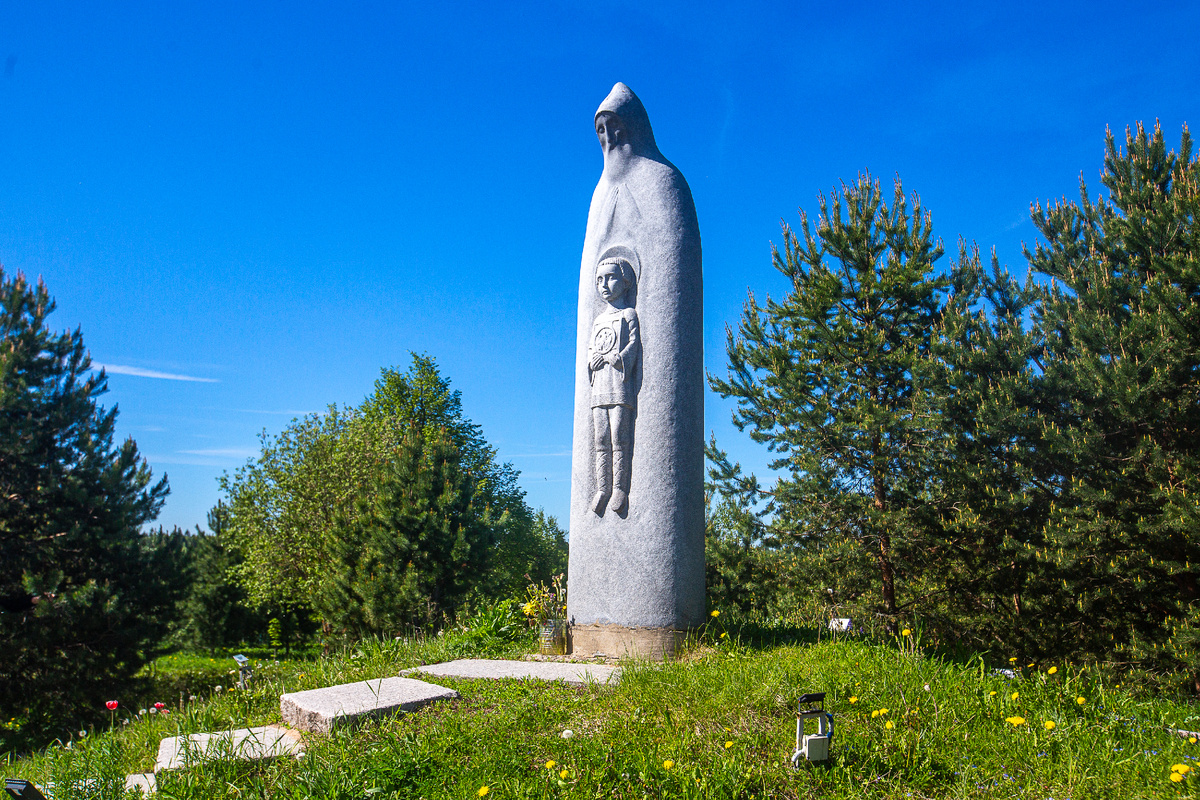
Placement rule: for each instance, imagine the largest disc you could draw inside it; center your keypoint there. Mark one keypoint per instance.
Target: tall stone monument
(636, 573)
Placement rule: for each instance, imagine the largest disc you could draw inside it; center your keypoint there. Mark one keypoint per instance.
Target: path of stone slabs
(349, 705)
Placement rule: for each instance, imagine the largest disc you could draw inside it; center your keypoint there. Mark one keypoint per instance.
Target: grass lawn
(718, 723)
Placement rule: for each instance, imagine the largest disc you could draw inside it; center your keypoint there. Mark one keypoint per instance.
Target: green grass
(723, 717)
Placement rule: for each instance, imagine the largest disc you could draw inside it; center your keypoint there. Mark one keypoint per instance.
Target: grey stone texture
(144, 782)
(320, 710)
(268, 741)
(638, 561)
(576, 674)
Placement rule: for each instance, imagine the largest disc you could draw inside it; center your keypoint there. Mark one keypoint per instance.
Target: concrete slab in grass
(143, 782)
(321, 710)
(575, 674)
(268, 741)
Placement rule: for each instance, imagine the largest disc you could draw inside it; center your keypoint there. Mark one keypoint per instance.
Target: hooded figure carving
(638, 561)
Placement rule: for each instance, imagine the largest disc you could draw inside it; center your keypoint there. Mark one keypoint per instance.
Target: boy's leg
(603, 469)
(621, 424)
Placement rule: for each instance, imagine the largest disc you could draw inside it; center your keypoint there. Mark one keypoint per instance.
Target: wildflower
(728, 745)
(159, 706)
(220, 687)
(550, 765)
(1191, 740)
(482, 791)
(927, 687)
(1052, 670)
(991, 694)
(668, 764)
(723, 634)
(111, 705)
(1176, 777)
(191, 698)
(1182, 769)
(1080, 700)
(82, 734)
(874, 713)
(716, 613)
(564, 774)
(882, 711)
(1015, 721)
(853, 700)
(1012, 660)
(1029, 665)
(906, 632)
(567, 734)
(1048, 724)
(1015, 695)
(152, 711)
(889, 725)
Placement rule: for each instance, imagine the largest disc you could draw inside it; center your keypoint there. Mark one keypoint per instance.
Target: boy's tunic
(617, 330)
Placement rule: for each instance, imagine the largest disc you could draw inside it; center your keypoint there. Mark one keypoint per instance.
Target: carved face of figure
(609, 131)
(610, 282)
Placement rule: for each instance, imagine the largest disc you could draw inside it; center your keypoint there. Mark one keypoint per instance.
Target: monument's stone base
(655, 644)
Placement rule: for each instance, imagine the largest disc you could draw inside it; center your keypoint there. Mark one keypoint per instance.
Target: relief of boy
(613, 354)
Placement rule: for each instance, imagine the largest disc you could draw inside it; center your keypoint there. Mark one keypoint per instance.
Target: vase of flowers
(546, 608)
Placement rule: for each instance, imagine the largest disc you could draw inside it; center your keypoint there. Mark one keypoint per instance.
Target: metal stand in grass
(813, 747)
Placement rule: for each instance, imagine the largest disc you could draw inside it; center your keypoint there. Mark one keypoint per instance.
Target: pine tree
(835, 379)
(1120, 403)
(84, 597)
(415, 547)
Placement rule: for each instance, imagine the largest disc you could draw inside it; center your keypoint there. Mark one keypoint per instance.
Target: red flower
(112, 705)
(159, 706)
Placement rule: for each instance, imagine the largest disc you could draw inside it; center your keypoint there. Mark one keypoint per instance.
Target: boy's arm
(629, 353)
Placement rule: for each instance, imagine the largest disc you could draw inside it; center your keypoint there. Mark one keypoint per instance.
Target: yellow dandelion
(1015, 721)
(728, 745)
(1012, 660)
(991, 694)
(853, 700)
(1191, 740)
(1030, 665)
(1048, 724)
(550, 765)
(668, 764)
(889, 725)
(1080, 700)
(1052, 670)
(1182, 769)
(482, 791)
(906, 632)
(716, 612)
(1176, 777)
(883, 711)
(723, 634)
(875, 713)
(564, 774)
(1015, 695)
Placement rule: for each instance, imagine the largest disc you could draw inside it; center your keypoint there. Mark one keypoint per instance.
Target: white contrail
(118, 369)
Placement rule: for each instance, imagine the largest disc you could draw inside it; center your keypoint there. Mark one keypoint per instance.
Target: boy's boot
(603, 481)
(620, 497)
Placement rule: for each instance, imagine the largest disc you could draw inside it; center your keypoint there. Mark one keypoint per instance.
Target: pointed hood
(626, 105)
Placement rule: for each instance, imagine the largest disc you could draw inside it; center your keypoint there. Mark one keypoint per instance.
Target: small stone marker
(564, 671)
(268, 741)
(321, 710)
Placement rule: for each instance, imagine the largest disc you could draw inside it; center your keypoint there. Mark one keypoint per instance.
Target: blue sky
(250, 208)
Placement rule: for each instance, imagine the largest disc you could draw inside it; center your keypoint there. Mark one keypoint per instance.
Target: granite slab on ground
(144, 782)
(268, 741)
(321, 710)
(575, 674)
